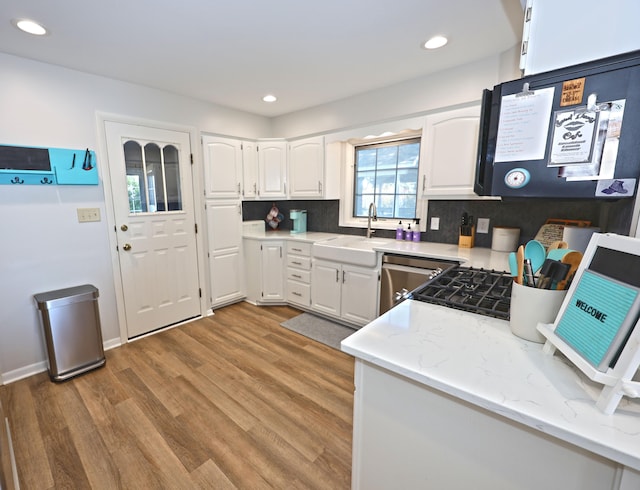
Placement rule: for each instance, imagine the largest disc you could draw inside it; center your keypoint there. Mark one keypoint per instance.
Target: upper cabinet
(558, 34)
(222, 167)
(448, 153)
(272, 169)
(249, 170)
(306, 168)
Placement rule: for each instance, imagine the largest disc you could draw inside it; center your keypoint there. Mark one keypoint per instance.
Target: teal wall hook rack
(44, 166)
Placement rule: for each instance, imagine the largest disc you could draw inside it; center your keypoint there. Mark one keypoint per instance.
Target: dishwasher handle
(412, 270)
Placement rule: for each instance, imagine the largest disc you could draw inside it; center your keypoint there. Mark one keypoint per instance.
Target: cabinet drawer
(298, 293)
(299, 262)
(299, 248)
(298, 275)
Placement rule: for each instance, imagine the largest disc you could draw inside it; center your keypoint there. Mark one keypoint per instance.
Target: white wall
(460, 85)
(42, 245)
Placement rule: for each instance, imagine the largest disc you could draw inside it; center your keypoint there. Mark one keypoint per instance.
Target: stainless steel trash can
(71, 323)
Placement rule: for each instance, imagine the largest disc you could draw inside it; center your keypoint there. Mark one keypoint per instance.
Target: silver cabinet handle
(343, 278)
(238, 188)
(424, 183)
(319, 186)
(337, 275)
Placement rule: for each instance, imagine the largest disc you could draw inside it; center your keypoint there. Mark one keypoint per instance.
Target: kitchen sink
(355, 250)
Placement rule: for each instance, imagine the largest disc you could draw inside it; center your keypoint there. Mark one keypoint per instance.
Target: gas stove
(482, 291)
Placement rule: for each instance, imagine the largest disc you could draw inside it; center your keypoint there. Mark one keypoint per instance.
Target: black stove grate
(482, 291)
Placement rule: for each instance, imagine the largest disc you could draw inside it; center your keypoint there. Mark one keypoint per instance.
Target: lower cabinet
(264, 271)
(299, 274)
(345, 291)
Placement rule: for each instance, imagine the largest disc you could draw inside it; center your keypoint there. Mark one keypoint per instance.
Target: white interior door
(151, 183)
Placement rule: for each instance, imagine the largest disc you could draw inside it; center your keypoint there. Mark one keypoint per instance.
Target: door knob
(124, 227)
(126, 247)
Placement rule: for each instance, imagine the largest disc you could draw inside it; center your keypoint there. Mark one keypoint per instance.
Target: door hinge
(192, 159)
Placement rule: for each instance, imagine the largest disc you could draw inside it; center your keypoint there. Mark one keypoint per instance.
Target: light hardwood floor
(229, 401)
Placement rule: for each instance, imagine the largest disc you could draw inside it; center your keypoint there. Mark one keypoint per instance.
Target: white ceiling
(233, 52)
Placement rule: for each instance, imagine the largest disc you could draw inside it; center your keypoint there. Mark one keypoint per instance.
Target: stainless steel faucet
(371, 216)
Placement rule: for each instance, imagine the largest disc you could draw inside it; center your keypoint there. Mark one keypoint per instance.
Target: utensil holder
(467, 241)
(530, 306)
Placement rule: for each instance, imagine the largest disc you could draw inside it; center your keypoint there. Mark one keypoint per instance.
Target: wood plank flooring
(229, 401)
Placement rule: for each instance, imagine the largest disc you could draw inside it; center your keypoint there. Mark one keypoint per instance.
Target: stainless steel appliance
(482, 291)
(401, 274)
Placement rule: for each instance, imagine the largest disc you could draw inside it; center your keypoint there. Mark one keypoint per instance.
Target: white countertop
(477, 359)
(472, 257)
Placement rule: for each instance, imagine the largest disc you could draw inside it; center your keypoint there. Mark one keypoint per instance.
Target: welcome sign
(599, 317)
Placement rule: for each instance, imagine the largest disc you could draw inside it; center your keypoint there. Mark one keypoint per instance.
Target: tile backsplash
(527, 214)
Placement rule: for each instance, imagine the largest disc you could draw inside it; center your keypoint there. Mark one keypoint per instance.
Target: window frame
(377, 196)
(347, 190)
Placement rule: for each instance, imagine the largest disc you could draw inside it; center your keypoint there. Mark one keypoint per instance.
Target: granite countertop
(477, 359)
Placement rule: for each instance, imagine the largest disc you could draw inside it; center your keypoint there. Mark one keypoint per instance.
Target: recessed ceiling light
(29, 26)
(269, 98)
(435, 42)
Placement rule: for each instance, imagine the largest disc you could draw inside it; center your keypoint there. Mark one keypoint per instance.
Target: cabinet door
(224, 233)
(448, 150)
(325, 284)
(222, 167)
(252, 269)
(306, 168)
(359, 294)
(249, 169)
(272, 271)
(272, 165)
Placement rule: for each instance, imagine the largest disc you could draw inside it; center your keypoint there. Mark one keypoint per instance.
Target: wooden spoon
(520, 261)
(557, 244)
(573, 259)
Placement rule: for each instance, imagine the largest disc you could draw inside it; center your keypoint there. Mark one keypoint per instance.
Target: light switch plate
(483, 225)
(435, 223)
(86, 215)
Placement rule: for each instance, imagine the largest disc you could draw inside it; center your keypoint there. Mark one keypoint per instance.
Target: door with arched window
(151, 184)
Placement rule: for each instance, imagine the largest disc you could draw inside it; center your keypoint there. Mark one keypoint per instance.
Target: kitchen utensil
(552, 272)
(572, 259)
(513, 264)
(545, 273)
(558, 253)
(528, 271)
(535, 251)
(520, 264)
(558, 244)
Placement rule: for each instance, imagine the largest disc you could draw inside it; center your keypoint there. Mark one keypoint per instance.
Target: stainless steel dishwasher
(401, 274)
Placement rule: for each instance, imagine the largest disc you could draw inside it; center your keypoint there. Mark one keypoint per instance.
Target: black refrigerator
(568, 133)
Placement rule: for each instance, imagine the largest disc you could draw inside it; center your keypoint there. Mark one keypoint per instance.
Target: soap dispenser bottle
(399, 231)
(408, 235)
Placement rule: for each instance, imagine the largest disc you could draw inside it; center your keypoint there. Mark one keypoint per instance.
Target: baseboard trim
(24, 372)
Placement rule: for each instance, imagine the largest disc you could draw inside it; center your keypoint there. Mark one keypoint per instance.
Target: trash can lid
(61, 297)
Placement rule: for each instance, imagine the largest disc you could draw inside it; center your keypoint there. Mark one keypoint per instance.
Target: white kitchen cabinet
(345, 291)
(448, 154)
(272, 267)
(264, 271)
(299, 273)
(306, 168)
(249, 169)
(558, 34)
(272, 169)
(222, 167)
(224, 238)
